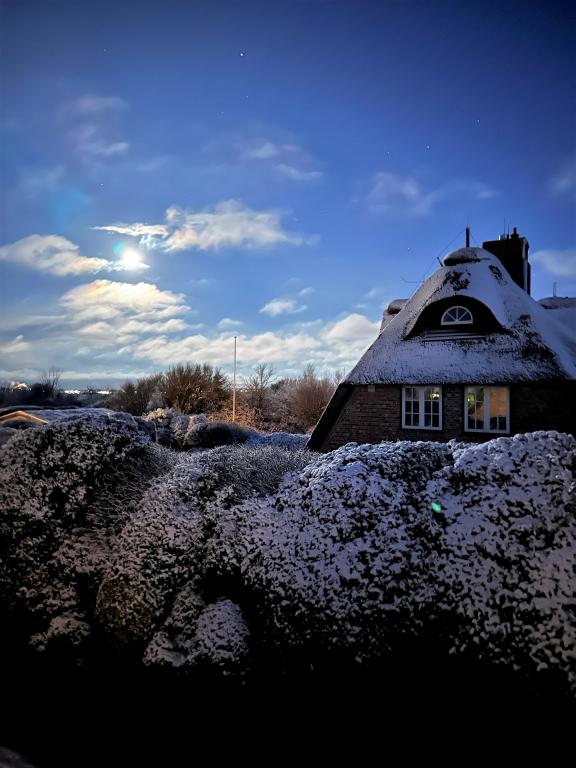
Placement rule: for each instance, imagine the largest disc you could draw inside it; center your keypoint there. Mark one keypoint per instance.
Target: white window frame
(457, 322)
(487, 393)
(421, 416)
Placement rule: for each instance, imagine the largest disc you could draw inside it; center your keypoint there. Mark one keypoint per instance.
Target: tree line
(262, 401)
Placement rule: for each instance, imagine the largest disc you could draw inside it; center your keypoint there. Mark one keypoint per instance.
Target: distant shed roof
(532, 346)
(21, 416)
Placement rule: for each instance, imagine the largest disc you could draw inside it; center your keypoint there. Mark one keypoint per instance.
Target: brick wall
(374, 413)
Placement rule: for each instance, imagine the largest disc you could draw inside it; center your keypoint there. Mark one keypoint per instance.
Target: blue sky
(177, 173)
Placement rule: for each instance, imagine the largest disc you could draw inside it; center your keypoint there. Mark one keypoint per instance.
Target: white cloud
(306, 291)
(103, 149)
(297, 174)
(93, 131)
(325, 347)
(137, 229)
(58, 256)
(228, 323)
(263, 151)
(564, 182)
(228, 225)
(268, 347)
(90, 104)
(290, 160)
(53, 254)
(354, 327)
(282, 307)
(561, 263)
(16, 345)
(110, 299)
(390, 193)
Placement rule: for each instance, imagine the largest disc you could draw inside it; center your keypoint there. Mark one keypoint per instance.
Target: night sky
(177, 173)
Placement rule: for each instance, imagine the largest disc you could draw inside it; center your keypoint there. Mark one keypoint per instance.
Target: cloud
(354, 327)
(229, 224)
(306, 291)
(561, 263)
(14, 346)
(90, 104)
(107, 299)
(58, 256)
(325, 347)
(564, 182)
(53, 254)
(282, 307)
(93, 131)
(290, 160)
(297, 174)
(263, 151)
(92, 141)
(37, 181)
(390, 193)
(269, 347)
(137, 229)
(102, 149)
(228, 323)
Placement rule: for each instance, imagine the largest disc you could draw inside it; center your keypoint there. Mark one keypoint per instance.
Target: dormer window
(457, 316)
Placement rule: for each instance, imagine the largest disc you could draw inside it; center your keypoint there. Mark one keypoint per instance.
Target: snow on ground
(193, 560)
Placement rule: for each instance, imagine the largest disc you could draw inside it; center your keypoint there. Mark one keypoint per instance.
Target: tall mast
(234, 385)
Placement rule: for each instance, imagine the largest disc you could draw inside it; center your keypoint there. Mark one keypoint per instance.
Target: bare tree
(134, 397)
(256, 388)
(49, 380)
(307, 396)
(194, 388)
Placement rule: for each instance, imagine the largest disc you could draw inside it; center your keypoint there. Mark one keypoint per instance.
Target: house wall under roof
(372, 413)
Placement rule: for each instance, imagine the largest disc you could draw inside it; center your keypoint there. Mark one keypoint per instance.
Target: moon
(131, 259)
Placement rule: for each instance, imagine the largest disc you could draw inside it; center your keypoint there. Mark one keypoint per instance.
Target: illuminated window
(487, 409)
(457, 316)
(422, 407)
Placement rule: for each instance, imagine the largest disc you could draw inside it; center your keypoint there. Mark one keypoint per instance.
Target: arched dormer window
(457, 316)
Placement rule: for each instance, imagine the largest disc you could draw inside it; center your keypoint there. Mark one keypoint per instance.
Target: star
(427, 146)
(241, 53)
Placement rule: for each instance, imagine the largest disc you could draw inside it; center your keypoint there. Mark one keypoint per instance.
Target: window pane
(475, 407)
(456, 315)
(498, 408)
(431, 406)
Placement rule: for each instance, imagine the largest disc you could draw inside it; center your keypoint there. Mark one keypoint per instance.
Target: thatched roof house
(470, 355)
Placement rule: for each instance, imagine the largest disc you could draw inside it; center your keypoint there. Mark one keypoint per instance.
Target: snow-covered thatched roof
(530, 344)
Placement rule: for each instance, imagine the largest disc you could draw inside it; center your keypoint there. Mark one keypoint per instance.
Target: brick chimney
(512, 250)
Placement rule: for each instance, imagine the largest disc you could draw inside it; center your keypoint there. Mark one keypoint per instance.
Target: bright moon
(131, 259)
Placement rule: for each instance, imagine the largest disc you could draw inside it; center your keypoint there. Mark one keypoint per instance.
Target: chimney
(512, 250)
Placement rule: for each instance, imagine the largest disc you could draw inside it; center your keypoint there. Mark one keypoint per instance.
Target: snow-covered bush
(338, 557)
(169, 426)
(287, 440)
(195, 634)
(508, 562)
(163, 544)
(191, 558)
(220, 433)
(65, 490)
(373, 545)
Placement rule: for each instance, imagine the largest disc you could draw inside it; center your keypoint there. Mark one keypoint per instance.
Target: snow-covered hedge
(206, 559)
(65, 491)
(372, 545)
(162, 545)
